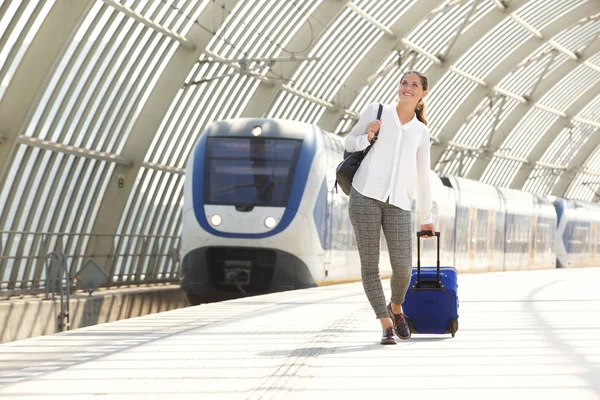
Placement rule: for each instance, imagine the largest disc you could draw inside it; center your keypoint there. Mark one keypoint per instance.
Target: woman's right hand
(372, 128)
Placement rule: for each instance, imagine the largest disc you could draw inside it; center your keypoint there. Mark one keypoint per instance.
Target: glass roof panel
(541, 13)
(478, 131)
(584, 187)
(541, 180)
(95, 95)
(595, 59)
(157, 205)
(455, 161)
(383, 78)
(290, 106)
(339, 51)
(385, 12)
(437, 32)
(445, 97)
(528, 132)
(567, 144)
(385, 88)
(493, 48)
(593, 162)
(559, 60)
(577, 37)
(527, 74)
(189, 11)
(571, 88)
(260, 28)
(500, 171)
(195, 107)
(483, 8)
(592, 110)
(18, 26)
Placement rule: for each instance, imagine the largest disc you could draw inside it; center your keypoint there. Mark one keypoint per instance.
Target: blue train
(261, 214)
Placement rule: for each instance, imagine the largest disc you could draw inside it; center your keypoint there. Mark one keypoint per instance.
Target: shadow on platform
(319, 351)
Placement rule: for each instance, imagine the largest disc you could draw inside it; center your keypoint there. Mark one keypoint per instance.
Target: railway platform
(522, 335)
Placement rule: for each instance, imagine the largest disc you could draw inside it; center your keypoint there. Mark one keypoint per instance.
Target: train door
(532, 242)
(593, 244)
(491, 239)
(472, 237)
(480, 241)
(462, 237)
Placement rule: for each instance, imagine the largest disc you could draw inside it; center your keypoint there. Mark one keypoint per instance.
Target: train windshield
(249, 171)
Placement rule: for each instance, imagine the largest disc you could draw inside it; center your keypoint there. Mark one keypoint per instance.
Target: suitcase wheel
(411, 326)
(453, 326)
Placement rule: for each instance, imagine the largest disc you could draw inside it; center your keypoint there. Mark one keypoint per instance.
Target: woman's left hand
(428, 228)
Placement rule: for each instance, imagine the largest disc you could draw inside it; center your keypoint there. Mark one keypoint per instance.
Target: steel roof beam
(22, 94)
(551, 134)
(584, 153)
(380, 51)
(267, 92)
(356, 80)
(372, 20)
(500, 71)
(74, 151)
(150, 24)
(147, 124)
(545, 86)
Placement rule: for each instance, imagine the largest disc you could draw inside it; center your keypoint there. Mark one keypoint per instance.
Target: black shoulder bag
(346, 169)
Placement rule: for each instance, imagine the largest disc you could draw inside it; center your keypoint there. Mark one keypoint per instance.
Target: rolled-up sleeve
(357, 139)
(424, 202)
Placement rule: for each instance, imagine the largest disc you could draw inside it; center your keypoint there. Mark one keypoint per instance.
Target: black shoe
(400, 325)
(388, 336)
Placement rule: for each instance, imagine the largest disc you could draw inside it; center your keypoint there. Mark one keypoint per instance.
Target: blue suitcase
(431, 302)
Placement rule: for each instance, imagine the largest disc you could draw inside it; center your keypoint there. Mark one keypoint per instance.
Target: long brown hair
(420, 110)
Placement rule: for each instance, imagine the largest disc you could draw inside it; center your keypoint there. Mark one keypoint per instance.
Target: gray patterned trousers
(368, 216)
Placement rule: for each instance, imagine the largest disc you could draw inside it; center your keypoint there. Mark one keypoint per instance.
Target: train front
(241, 222)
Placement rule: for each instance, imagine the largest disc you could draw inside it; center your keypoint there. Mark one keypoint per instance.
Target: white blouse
(397, 166)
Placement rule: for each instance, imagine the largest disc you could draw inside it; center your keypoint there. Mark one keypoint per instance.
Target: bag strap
(376, 133)
(365, 151)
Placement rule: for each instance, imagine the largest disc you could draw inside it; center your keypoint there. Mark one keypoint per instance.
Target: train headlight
(256, 131)
(270, 222)
(216, 220)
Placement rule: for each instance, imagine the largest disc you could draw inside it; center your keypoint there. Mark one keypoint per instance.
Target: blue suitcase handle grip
(428, 285)
(428, 233)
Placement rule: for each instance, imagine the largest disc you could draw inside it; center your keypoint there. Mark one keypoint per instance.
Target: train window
(462, 229)
(511, 237)
(249, 171)
(597, 237)
(544, 237)
(517, 233)
(580, 240)
(499, 232)
(578, 234)
(482, 236)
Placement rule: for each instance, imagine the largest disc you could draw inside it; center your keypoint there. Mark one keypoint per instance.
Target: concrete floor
(523, 335)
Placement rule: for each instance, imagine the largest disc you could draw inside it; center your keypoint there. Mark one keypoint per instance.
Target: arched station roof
(102, 100)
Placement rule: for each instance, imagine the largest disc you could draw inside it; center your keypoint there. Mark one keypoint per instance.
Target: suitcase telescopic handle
(438, 282)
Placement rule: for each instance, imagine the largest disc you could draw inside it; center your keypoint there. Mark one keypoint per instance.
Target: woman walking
(392, 174)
